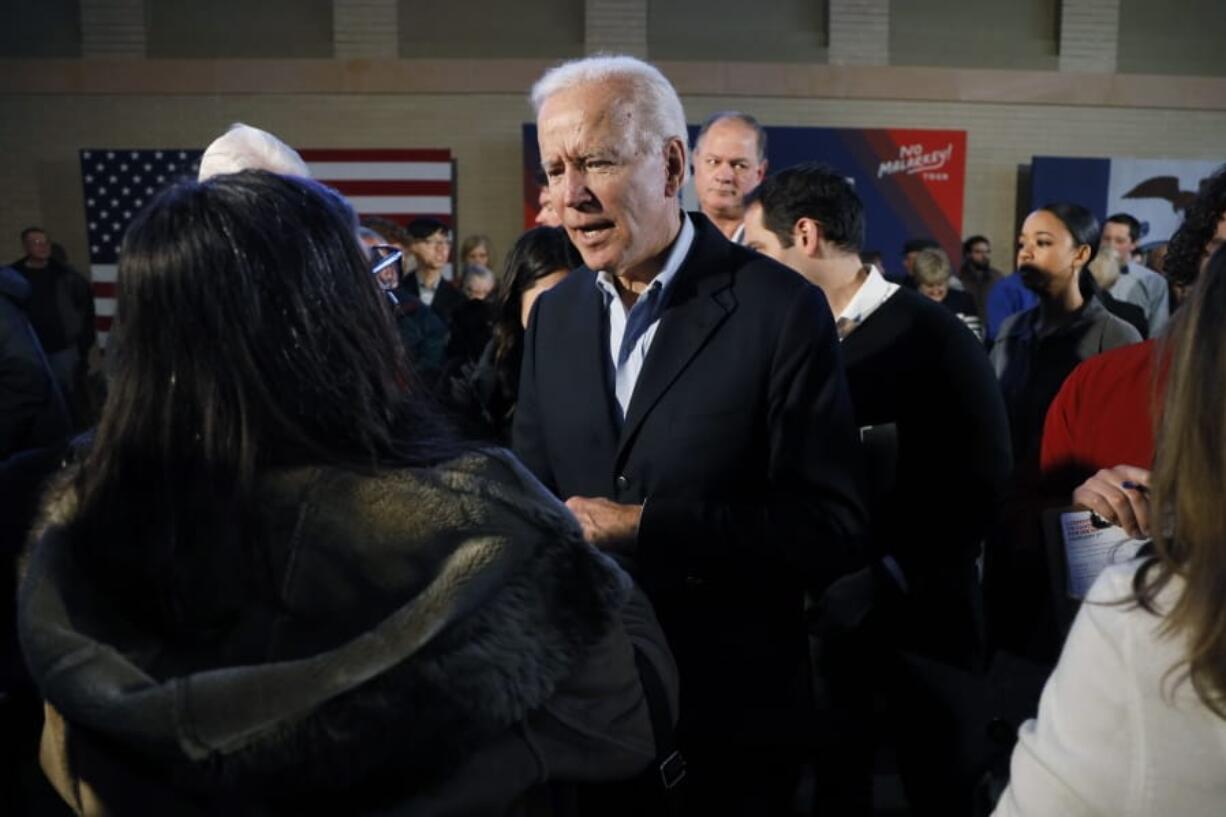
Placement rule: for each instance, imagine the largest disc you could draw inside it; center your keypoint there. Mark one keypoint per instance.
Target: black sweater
(913, 364)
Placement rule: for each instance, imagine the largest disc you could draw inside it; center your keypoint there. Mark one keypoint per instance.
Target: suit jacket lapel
(587, 358)
(698, 302)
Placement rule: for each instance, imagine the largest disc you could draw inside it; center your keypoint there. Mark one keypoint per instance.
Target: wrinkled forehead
(606, 110)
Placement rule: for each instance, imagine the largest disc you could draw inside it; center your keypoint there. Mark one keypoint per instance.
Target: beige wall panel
(732, 30)
(41, 135)
(975, 33)
(260, 29)
(1172, 37)
(550, 29)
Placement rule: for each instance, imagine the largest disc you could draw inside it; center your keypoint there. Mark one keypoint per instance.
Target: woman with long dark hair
(1133, 721)
(486, 394)
(1036, 349)
(275, 584)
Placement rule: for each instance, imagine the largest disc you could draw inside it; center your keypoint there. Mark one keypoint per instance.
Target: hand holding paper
(1119, 495)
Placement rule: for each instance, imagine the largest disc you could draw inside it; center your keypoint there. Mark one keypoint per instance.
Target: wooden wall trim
(176, 77)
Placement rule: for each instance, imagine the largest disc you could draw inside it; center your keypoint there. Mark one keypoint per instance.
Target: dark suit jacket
(446, 297)
(741, 440)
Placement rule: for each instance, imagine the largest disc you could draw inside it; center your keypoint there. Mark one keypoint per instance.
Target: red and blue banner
(1154, 191)
(911, 181)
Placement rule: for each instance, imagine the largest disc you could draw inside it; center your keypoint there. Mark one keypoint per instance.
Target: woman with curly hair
(1203, 230)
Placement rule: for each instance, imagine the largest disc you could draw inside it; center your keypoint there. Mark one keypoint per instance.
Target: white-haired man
(243, 147)
(685, 396)
(729, 162)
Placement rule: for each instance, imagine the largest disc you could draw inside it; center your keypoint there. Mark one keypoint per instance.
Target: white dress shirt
(643, 317)
(875, 291)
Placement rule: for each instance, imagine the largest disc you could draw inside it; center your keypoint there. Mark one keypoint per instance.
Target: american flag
(399, 185)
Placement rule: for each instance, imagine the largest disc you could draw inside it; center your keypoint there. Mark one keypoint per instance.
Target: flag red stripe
(103, 323)
(390, 187)
(104, 289)
(385, 155)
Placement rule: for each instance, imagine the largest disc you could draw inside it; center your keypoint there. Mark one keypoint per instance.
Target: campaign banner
(912, 182)
(1154, 191)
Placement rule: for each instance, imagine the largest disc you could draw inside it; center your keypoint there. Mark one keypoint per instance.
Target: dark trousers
(872, 693)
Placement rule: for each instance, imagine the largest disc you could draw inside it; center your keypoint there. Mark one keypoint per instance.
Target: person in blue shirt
(1007, 297)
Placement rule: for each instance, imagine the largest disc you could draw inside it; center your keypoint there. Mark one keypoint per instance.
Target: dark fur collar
(505, 601)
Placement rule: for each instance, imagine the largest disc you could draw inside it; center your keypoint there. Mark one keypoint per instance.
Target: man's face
(726, 167)
(980, 254)
(1117, 237)
(545, 214)
(37, 245)
(432, 253)
(616, 197)
(759, 237)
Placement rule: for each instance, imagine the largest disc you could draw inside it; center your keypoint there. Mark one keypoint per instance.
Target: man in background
(930, 412)
(977, 273)
(60, 307)
(729, 162)
(431, 246)
(1137, 283)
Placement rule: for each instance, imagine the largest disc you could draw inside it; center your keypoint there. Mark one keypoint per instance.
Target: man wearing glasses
(431, 247)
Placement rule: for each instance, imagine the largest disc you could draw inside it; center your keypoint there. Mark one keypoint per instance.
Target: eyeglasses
(383, 256)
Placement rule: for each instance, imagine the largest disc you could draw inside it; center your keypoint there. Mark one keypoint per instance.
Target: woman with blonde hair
(933, 274)
(478, 251)
(1133, 720)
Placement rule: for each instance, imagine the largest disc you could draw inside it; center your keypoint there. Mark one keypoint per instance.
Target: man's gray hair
(243, 147)
(661, 116)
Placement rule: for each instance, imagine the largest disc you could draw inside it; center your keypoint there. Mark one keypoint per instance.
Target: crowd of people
(675, 513)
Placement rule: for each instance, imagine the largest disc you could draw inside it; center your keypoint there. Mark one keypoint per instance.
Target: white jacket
(1116, 734)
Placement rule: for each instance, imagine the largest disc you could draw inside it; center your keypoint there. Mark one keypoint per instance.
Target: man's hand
(607, 525)
(1119, 495)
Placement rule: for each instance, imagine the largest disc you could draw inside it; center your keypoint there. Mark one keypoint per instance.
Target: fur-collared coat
(442, 641)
